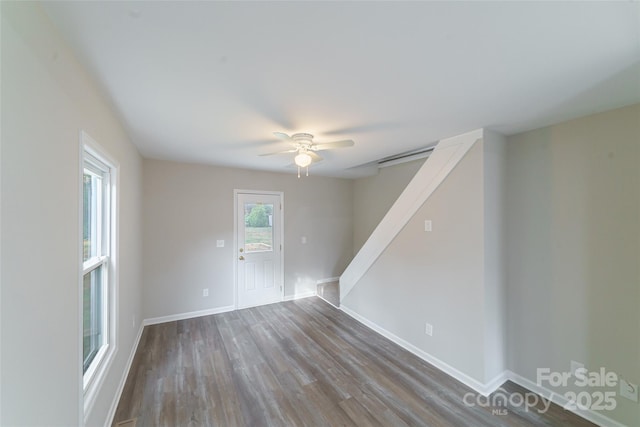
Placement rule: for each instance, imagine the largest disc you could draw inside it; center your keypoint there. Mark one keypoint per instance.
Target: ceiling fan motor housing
(303, 140)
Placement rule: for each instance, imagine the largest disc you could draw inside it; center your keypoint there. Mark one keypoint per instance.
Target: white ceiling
(209, 82)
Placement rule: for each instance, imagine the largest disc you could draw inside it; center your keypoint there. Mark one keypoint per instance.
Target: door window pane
(258, 227)
(92, 321)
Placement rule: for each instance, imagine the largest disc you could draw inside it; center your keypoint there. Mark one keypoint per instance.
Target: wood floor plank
(297, 363)
(305, 410)
(359, 414)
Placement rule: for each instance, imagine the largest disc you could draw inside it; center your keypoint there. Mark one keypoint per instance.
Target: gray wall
(374, 195)
(188, 207)
(573, 248)
(47, 98)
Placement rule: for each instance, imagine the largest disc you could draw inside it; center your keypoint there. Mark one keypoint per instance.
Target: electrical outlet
(205, 292)
(303, 240)
(629, 390)
(220, 243)
(427, 225)
(428, 329)
(575, 366)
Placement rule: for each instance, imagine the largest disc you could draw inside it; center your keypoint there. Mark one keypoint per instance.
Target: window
(97, 284)
(258, 229)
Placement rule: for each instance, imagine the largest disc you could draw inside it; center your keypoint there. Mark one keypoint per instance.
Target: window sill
(94, 377)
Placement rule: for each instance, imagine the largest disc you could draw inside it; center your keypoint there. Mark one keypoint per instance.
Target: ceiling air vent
(405, 157)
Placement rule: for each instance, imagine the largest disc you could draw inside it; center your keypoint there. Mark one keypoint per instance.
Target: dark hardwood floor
(298, 363)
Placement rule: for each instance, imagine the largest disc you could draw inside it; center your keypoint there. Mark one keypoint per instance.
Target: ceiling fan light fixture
(302, 160)
(302, 144)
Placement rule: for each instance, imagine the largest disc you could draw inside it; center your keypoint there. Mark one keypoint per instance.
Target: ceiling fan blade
(282, 135)
(335, 144)
(293, 150)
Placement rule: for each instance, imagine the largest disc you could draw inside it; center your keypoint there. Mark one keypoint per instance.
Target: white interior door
(259, 249)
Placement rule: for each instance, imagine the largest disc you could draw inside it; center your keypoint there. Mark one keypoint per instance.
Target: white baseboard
(217, 310)
(327, 301)
(560, 400)
(491, 386)
(497, 381)
(123, 379)
(483, 389)
(328, 280)
(189, 315)
(300, 296)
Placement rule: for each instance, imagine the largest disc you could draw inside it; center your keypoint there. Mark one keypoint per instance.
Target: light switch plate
(427, 225)
(220, 243)
(428, 329)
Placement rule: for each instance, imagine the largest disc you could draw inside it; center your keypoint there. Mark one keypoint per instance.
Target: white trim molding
(188, 315)
(217, 310)
(557, 398)
(116, 399)
(300, 295)
(483, 389)
(442, 160)
(328, 302)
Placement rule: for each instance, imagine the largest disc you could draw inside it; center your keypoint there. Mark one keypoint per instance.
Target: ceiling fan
(303, 145)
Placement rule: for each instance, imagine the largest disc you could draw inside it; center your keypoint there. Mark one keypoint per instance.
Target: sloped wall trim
(446, 155)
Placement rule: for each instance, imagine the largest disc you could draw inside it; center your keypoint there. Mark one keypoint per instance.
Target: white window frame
(91, 380)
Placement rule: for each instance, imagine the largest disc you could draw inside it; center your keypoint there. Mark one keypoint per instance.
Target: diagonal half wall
(450, 277)
(445, 156)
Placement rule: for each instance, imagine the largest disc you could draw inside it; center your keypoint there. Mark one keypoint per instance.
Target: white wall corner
(445, 156)
(494, 165)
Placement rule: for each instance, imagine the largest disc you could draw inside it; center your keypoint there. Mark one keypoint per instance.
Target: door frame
(236, 192)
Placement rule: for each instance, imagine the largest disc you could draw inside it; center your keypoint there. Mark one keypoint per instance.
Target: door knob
(241, 258)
